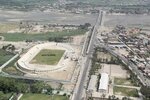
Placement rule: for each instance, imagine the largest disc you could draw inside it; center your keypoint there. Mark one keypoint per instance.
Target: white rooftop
(92, 83)
(104, 81)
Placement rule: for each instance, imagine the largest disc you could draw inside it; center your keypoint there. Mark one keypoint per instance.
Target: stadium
(33, 60)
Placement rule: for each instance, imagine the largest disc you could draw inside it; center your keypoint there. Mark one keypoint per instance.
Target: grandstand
(25, 65)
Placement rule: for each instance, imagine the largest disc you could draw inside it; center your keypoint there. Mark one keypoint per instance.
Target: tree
(145, 90)
(87, 24)
(2, 96)
(37, 87)
(21, 88)
(103, 96)
(49, 89)
(126, 98)
(4, 47)
(12, 48)
(113, 97)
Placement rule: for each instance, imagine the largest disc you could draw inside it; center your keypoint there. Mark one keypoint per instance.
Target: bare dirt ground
(122, 51)
(78, 40)
(118, 71)
(114, 70)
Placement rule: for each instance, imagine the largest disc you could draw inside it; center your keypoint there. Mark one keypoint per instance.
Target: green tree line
(8, 85)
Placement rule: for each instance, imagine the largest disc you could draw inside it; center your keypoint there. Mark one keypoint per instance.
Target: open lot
(125, 91)
(8, 27)
(5, 56)
(48, 57)
(30, 96)
(114, 70)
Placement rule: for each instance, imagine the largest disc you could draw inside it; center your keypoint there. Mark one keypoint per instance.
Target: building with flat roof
(103, 83)
(92, 83)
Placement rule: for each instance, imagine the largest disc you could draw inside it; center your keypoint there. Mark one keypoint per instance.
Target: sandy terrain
(114, 70)
(46, 17)
(78, 40)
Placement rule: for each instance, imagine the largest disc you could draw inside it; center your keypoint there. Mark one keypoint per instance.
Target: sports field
(125, 91)
(48, 57)
(123, 81)
(30, 96)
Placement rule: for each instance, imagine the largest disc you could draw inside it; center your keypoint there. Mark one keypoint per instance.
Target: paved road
(80, 90)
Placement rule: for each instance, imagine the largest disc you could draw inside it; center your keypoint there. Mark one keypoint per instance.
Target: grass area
(4, 28)
(40, 36)
(5, 95)
(56, 97)
(125, 91)
(123, 81)
(48, 57)
(5, 56)
(42, 97)
(11, 68)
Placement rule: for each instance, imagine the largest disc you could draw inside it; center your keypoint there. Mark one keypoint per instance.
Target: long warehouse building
(103, 86)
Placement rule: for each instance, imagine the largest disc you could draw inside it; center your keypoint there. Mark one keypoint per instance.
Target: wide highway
(86, 62)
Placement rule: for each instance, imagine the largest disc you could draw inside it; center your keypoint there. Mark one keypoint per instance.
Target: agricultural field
(5, 56)
(40, 37)
(30, 96)
(48, 57)
(125, 91)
